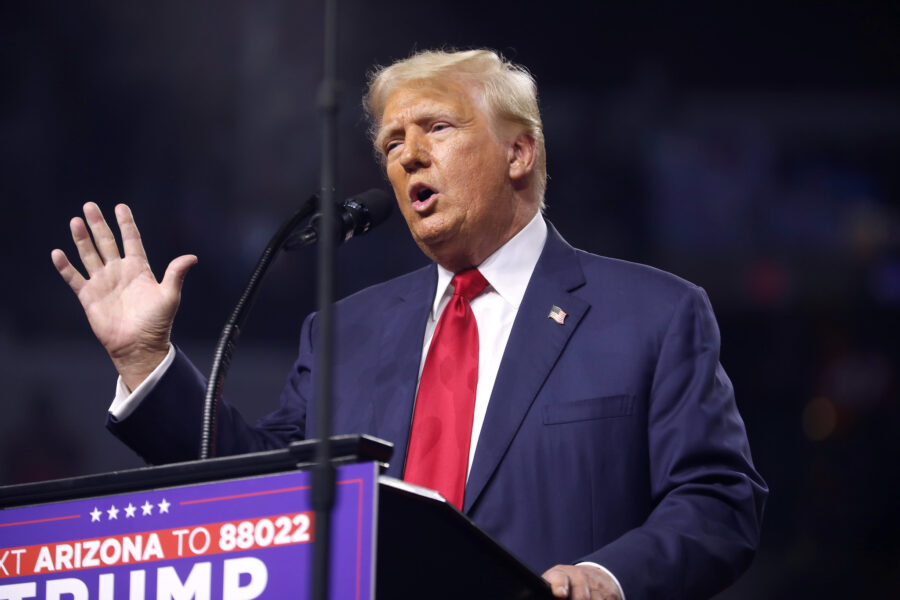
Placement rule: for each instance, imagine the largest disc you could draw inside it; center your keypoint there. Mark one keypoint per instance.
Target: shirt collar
(508, 269)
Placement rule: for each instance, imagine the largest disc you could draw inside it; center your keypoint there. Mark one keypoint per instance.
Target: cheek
(481, 175)
(468, 168)
(394, 176)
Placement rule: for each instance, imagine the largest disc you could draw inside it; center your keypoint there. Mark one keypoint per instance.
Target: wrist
(135, 366)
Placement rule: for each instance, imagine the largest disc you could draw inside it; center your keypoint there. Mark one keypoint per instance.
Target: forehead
(414, 100)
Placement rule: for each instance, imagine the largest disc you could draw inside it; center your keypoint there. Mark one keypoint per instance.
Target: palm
(125, 305)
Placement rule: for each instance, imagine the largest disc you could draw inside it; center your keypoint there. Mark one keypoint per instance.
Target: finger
(85, 246)
(579, 588)
(131, 237)
(559, 582)
(602, 585)
(176, 272)
(103, 236)
(583, 592)
(69, 273)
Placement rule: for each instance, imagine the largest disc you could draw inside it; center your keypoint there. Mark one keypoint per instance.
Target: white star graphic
(163, 506)
(129, 510)
(113, 512)
(146, 508)
(95, 514)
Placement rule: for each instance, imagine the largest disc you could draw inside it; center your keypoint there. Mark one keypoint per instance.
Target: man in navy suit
(606, 449)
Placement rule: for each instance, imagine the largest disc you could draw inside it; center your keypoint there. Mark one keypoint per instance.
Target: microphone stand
(324, 472)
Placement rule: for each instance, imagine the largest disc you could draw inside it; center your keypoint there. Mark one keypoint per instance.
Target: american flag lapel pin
(557, 314)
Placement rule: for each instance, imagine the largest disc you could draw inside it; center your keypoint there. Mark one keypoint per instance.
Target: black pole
(323, 475)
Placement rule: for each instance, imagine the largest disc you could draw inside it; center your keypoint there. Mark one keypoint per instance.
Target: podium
(242, 527)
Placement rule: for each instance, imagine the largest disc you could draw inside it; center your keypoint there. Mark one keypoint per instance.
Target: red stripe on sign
(247, 495)
(66, 518)
(359, 520)
(162, 544)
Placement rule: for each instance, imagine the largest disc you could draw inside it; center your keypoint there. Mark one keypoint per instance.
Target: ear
(522, 154)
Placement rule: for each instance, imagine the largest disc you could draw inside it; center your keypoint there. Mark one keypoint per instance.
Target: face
(451, 172)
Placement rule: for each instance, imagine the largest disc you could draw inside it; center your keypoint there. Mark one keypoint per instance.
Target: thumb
(177, 270)
(559, 582)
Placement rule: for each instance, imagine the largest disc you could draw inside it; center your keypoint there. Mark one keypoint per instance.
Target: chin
(431, 240)
(426, 232)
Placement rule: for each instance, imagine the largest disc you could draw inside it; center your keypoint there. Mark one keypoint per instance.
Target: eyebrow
(384, 133)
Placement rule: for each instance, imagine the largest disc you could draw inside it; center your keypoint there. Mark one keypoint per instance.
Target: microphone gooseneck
(358, 215)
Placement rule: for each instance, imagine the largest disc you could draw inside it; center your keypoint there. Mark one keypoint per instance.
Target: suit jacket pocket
(584, 410)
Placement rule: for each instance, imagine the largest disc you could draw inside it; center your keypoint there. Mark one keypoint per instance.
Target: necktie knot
(468, 284)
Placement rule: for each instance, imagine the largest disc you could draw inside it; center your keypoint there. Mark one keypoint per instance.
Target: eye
(389, 146)
(440, 126)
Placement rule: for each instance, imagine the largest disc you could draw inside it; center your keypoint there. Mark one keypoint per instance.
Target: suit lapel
(534, 346)
(400, 351)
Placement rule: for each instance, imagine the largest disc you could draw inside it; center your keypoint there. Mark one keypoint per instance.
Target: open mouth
(421, 193)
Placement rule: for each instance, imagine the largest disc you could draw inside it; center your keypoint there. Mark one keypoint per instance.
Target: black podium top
(345, 449)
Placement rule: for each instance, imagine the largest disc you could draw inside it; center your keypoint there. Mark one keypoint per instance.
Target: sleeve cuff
(608, 572)
(125, 400)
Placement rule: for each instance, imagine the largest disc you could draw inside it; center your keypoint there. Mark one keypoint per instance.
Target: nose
(415, 153)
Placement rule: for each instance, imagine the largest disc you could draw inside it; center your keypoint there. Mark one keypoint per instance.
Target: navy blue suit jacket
(611, 438)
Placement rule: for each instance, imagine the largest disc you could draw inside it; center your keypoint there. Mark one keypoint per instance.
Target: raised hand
(129, 311)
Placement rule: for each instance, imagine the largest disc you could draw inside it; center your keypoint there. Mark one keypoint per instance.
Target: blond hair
(508, 90)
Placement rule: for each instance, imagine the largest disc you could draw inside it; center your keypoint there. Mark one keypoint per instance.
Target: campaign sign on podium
(237, 539)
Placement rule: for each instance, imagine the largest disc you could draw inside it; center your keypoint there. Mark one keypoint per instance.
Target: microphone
(356, 216)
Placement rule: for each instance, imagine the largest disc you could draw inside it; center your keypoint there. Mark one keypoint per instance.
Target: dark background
(750, 149)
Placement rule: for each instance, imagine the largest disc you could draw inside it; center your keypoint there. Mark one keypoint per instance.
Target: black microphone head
(366, 210)
(378, 203)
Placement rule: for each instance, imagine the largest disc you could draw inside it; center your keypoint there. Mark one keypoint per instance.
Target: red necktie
(438, 454)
